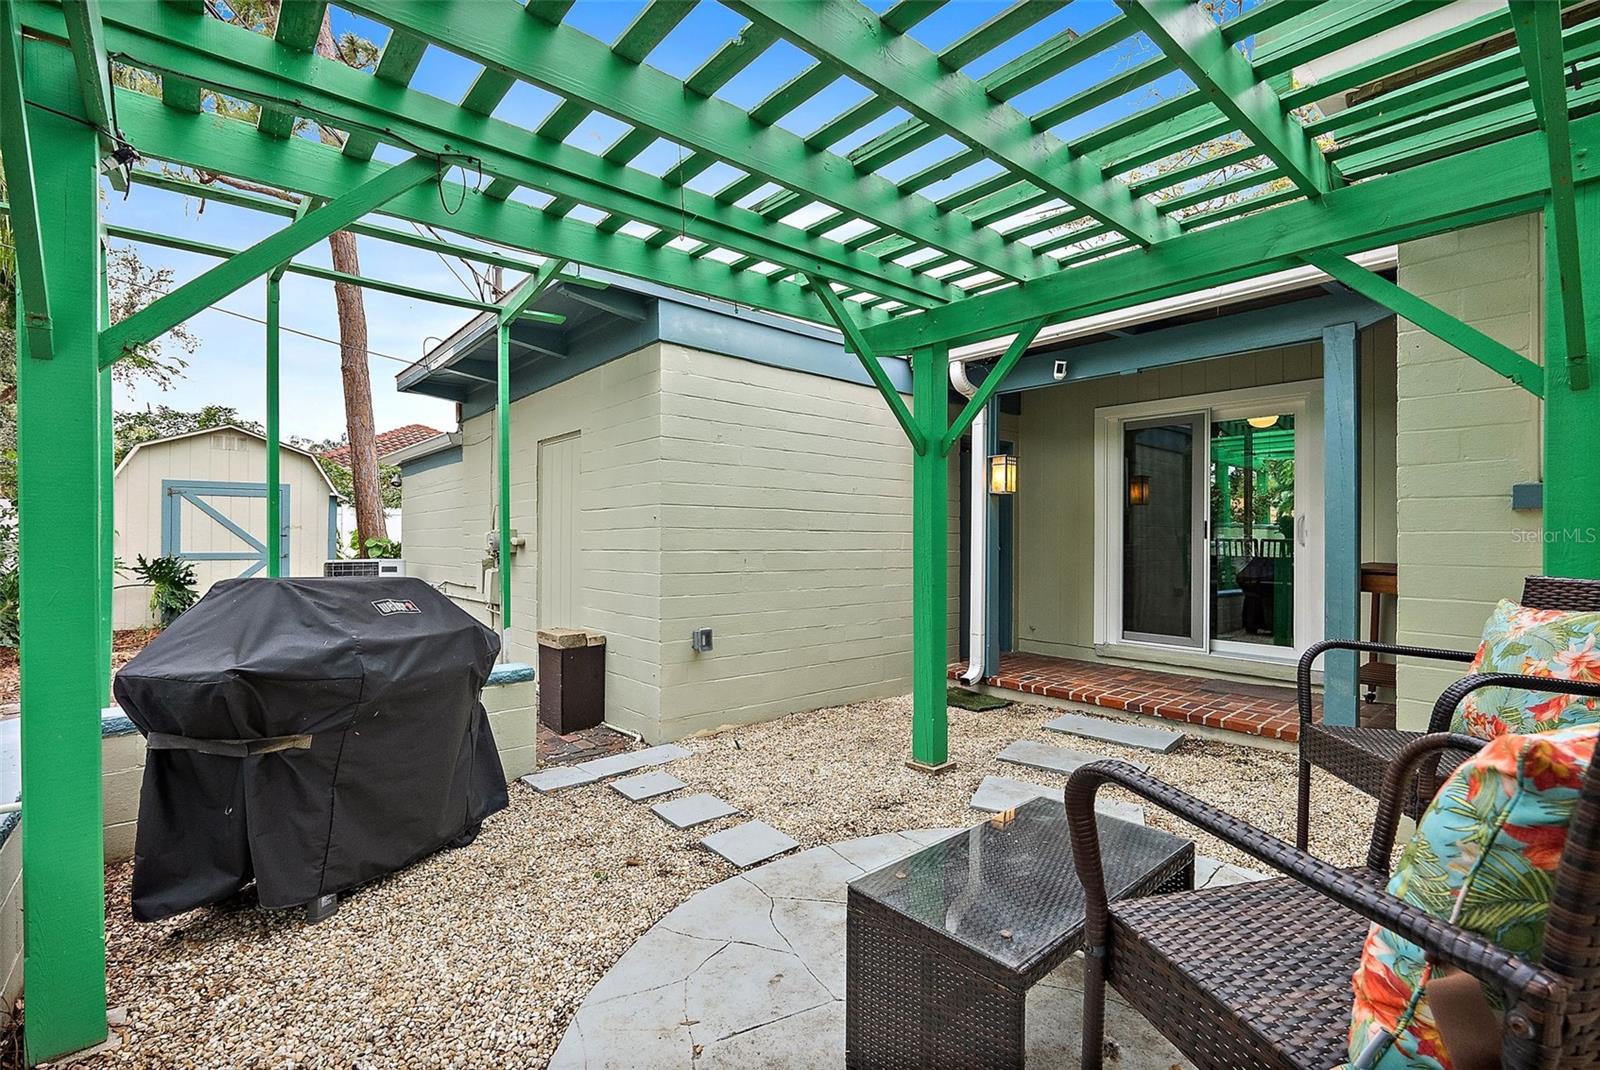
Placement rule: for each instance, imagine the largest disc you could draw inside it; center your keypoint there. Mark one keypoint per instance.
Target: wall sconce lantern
(1002, 474)
(1138, 490)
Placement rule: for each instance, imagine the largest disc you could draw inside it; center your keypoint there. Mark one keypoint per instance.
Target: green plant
(171, 581)
(10, 624)
(375, 547)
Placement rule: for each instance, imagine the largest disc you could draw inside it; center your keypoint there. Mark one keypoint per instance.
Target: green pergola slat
(401, 57)
(251, 65)
(1189, 36)
(299, 24)
(1335, 25)
(568, 62)
(1495, 356)
(166, 312)
(1426, 199)
(899, 69)
(297, 164)
(1538, 30)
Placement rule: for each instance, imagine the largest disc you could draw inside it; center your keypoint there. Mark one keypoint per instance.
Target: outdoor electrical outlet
(701, 638)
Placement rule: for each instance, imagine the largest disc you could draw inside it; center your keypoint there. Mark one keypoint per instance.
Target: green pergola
(1008, 229)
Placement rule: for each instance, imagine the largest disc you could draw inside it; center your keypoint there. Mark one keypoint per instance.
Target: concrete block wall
(1465, 436)
(514, 718)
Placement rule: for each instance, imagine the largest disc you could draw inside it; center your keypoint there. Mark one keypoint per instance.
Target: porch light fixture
(1138, 490)
(1261, 423)
(1002, 474)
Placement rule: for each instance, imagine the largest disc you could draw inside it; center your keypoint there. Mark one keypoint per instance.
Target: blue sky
(228, 365)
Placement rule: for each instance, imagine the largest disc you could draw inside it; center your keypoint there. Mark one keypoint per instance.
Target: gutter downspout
(978, 541)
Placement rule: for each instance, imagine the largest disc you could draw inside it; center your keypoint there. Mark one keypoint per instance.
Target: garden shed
(203, 496)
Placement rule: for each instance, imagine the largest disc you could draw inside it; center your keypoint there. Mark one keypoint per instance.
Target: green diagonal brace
(1190, 37)
(15, 144)
(863, 352)
(1538, 28)
(167, 312)
(517, 302)
(1493, 355)
(991, 382)
(86, 36)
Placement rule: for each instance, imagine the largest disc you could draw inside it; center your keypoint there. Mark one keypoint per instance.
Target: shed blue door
(215, 526)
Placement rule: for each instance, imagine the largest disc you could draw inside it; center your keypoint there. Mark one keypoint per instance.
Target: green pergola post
(274, 446)
(930, 518)
(502, 436)
(59, 451)
(1571, 481)
(107, 473)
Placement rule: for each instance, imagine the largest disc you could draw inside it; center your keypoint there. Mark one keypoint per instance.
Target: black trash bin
(309, 735)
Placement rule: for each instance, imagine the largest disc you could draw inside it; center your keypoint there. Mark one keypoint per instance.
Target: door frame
(1199, 527)
(1303, 399)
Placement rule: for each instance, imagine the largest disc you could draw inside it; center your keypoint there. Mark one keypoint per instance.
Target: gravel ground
(478, 957)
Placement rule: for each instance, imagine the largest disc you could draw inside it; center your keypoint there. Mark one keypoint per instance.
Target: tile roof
(388, 443)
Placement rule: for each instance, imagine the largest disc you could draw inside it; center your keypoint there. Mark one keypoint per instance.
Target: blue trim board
(511, 672)
(1341, 517)
(441, 458)
(1224, 336)
(333, 530)
(174, 492)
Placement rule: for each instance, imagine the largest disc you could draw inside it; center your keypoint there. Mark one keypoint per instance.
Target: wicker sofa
(1258, 975)
(1361, 756)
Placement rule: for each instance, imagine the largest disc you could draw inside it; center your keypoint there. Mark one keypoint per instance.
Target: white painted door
(559, 526)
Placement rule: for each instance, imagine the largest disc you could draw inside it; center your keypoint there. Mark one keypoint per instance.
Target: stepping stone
(628, 761)
(558, 777)
(646, 785)
(754, 841)
(693, 810)
(998, 793)
(1052, 759)
(1128, 735)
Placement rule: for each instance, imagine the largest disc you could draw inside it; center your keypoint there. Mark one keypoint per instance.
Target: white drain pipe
(978, 542)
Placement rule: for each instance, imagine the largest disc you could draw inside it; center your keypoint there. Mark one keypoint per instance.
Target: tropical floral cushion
(1532, 642)
(1484, 856)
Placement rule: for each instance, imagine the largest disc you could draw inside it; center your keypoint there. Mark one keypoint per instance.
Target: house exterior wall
(219, 457)
(786, 528)
(770, 505)
(448, 510)
(1466, 436)
(1056, 501)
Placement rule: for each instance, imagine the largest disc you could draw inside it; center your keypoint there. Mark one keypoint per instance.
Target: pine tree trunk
(354, 374)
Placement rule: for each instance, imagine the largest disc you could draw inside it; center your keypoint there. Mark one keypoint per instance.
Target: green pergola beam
(571, 64)
(1495, 356)
(313, 271)
(1538, 30)
(298, 164)
(239, 199)
(402, 55)
(849, 37)
(166, 312)
(1411, 203)
(869, 361)
(991, 382)
(257, 68)
(16, 144)
(1188, 35)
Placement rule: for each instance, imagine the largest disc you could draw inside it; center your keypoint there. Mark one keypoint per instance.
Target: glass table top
(1008, 889)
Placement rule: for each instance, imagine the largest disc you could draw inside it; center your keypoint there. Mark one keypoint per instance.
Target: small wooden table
(942, 947)
(1378, 578)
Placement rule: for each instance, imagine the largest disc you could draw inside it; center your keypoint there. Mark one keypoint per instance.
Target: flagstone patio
(749, 973)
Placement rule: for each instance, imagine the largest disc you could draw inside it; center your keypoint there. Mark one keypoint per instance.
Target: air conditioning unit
(365, 566)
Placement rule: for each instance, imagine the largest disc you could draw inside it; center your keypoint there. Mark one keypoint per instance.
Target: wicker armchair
(1360, 756)
(1258, 975)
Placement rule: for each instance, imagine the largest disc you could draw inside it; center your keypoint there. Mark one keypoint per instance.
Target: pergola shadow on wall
(1011, 229)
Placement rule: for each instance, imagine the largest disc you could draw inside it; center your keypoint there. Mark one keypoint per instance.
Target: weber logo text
(390, 606)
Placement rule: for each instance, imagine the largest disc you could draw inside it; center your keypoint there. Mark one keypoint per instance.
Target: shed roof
(258, 436)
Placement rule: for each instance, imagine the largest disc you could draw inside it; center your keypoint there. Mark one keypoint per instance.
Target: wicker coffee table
(942, 947)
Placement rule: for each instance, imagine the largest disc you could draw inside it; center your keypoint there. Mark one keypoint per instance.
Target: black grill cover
(383, 674)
